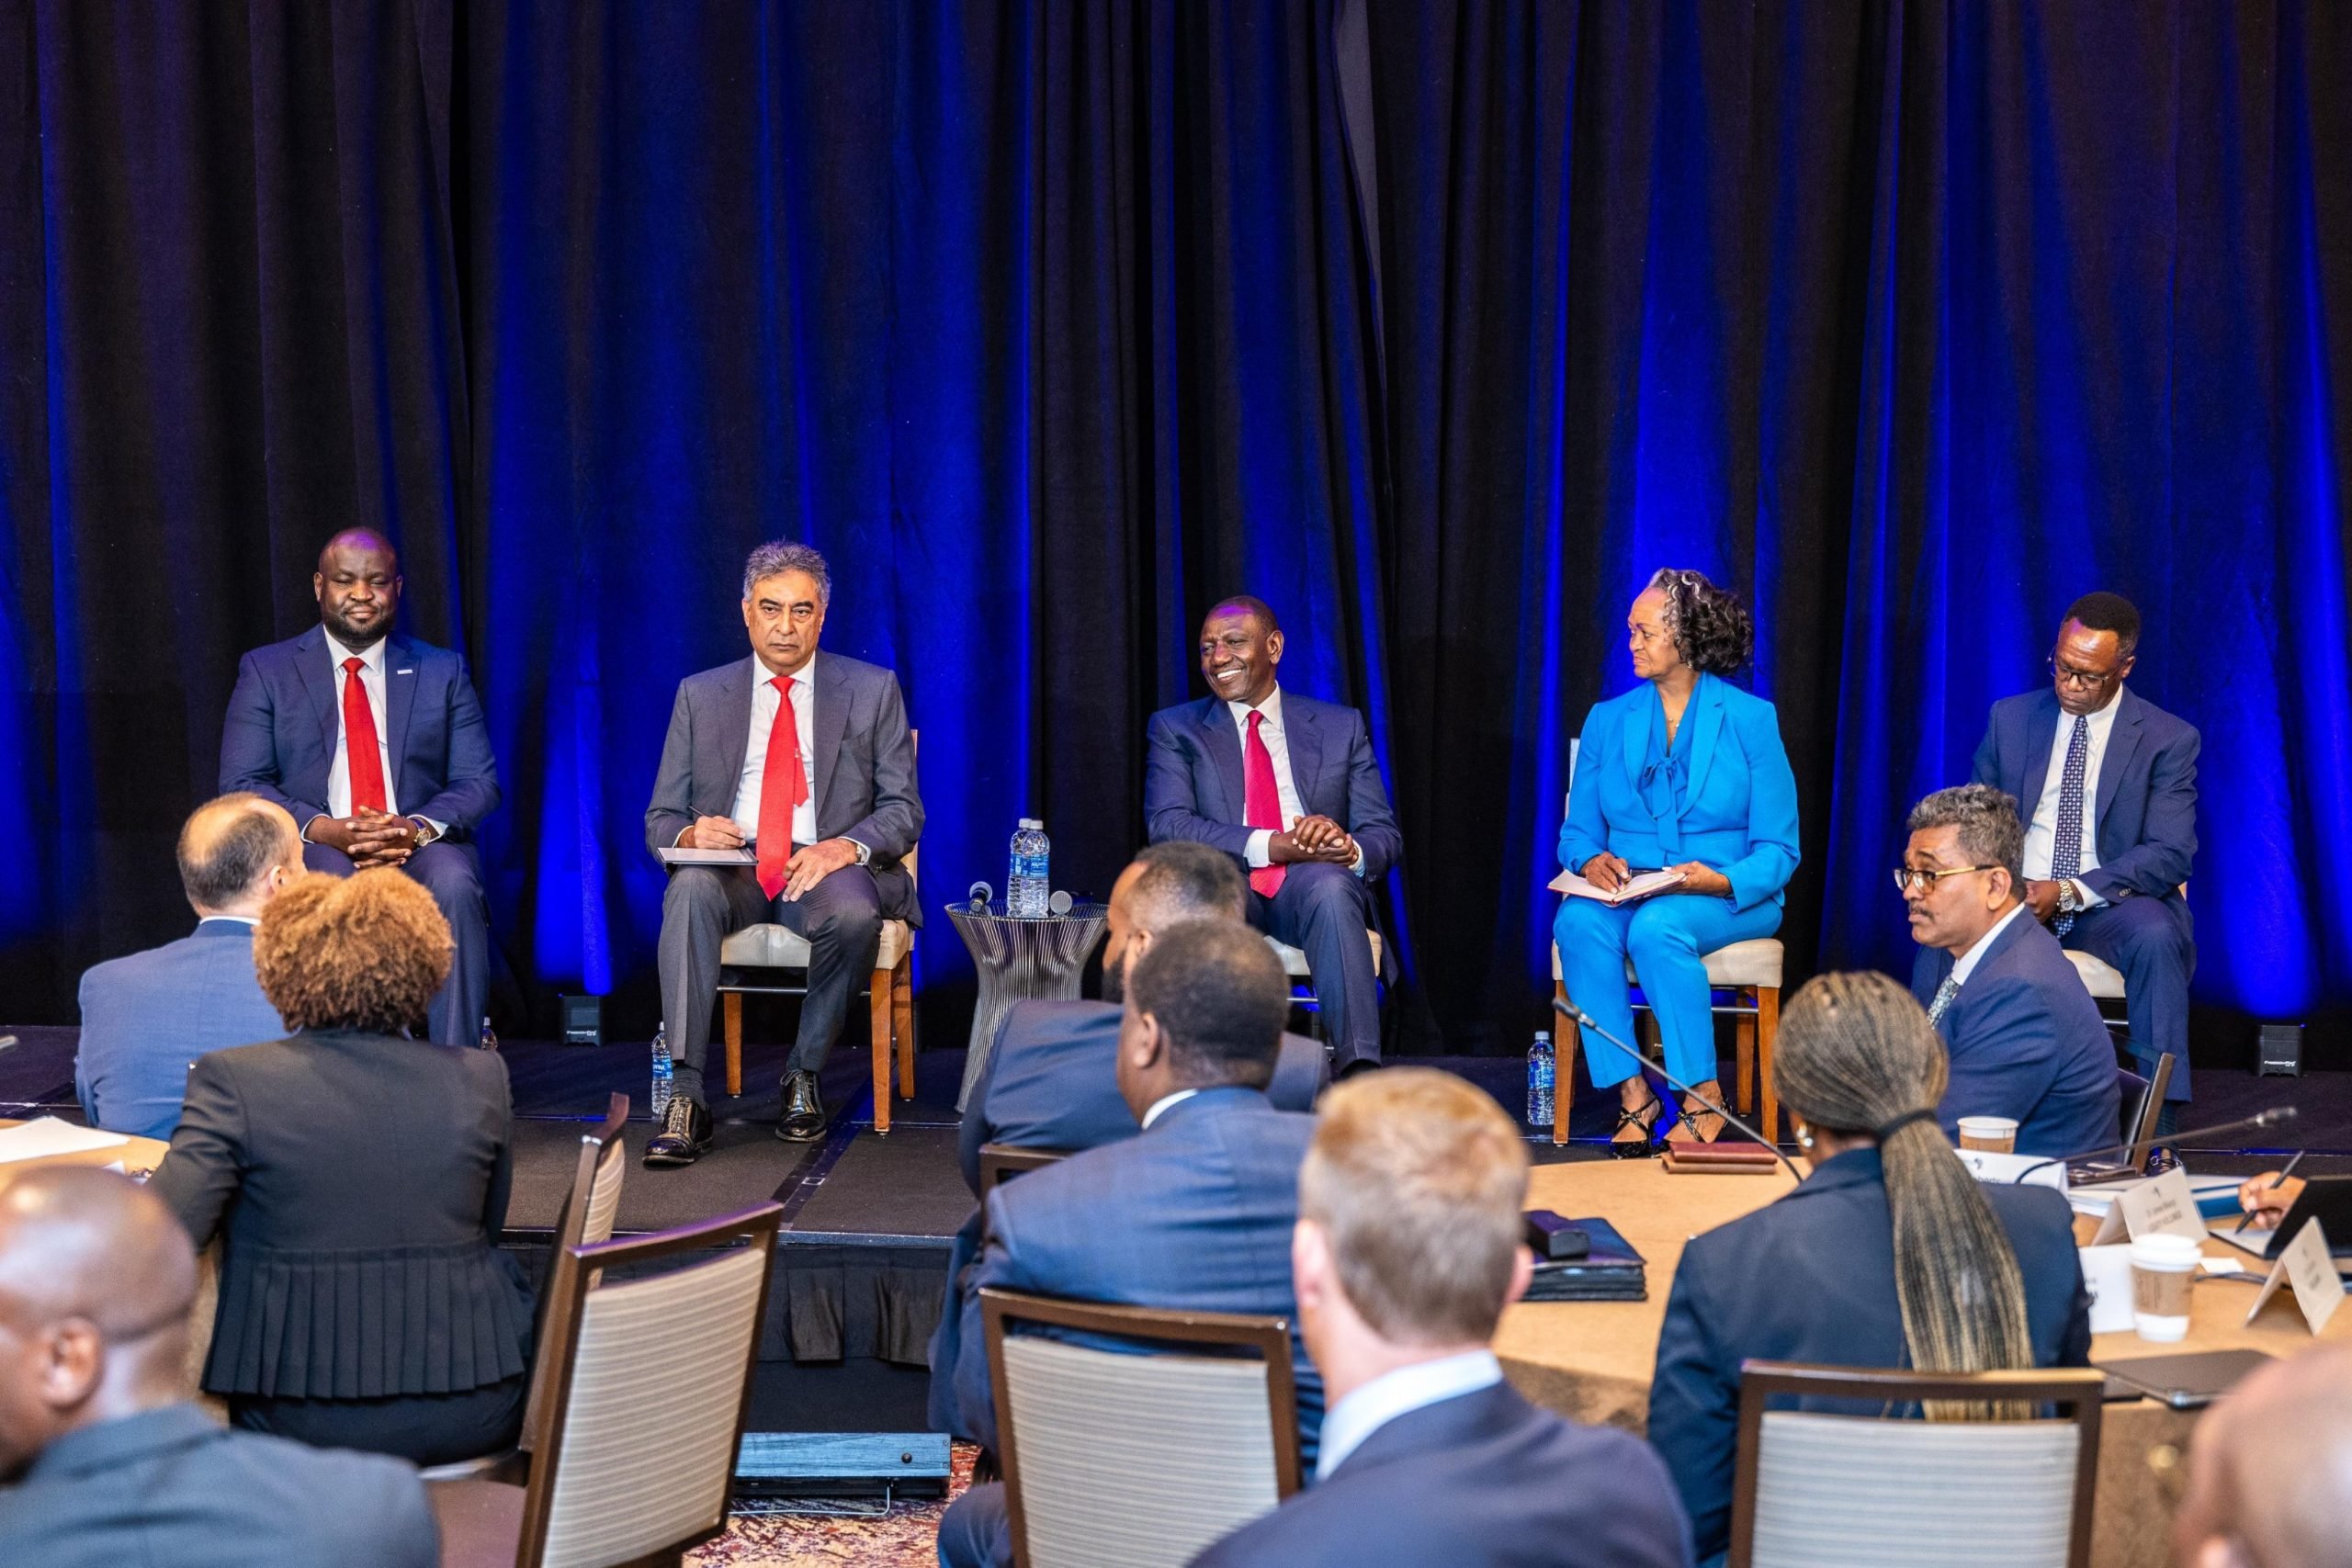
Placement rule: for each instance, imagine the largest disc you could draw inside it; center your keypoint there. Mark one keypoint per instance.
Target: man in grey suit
(146, 1016)
(805, 766)
(103, 1462)
(1288, 787)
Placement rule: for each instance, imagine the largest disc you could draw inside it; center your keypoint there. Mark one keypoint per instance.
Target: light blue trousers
(1667, 937)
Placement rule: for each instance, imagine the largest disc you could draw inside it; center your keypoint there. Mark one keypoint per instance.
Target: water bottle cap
(1544, 1035)
(1038, 823)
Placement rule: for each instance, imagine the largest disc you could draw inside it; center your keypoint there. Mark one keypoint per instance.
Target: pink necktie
(1261, 802)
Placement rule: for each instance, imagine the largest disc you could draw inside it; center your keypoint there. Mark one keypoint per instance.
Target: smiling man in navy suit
(2112, 781)
(1287, 787)
(418, 781)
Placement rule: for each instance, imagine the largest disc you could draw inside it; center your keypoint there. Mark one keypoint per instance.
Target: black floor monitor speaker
(583, 1020)
(2280, 1050)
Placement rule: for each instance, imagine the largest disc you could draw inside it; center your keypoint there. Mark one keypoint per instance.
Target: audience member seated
(360, 1179)
(147, 1015)
(1889, 1255)
(2270, 1471)
(1195, 1211)
(103, 1464)
(2267, 1198)
(1051, 1082)
(2025, 1040)
(1407, 1251)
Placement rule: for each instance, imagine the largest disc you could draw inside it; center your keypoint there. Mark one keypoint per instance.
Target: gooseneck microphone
(1566, 1007)
(976, 899)
(2277, 1116)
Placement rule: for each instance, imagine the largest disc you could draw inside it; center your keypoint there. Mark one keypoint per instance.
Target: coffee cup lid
(2167, 1251)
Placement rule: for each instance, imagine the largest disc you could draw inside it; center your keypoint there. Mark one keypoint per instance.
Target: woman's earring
(1805, 1136)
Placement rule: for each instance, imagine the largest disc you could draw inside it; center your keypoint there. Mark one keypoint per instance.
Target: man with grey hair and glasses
(2025, 1039)
(806, 764)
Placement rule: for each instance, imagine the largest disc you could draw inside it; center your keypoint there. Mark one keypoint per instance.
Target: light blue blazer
(1739, 808)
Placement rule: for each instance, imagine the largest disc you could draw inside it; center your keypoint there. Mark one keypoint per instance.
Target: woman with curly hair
(361, 1176)
(1685, 771)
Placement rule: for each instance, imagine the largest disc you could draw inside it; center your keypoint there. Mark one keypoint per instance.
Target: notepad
(46, 1137)
(707, 857)
(1634, 888)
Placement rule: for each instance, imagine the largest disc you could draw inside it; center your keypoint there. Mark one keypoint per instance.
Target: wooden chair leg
(1767, 1024)
(733, 1011)
(902, 1022)
(1743, 1053)
(877, 994)
(1564, 1068)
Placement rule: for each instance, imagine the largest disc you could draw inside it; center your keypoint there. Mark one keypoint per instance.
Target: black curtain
(1438, 326)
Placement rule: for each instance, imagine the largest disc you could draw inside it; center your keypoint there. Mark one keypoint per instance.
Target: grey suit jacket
(146, 1016)
(173, 1485)
(864, 764)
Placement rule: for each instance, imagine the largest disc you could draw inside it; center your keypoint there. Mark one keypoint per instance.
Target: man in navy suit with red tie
(377, 745)
(1287, 787)
(2106, 782)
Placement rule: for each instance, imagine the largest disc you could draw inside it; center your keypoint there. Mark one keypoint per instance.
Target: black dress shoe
(684, 1137)
(804, 1109)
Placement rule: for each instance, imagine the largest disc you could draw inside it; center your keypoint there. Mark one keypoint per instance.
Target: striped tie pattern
(2066, 848)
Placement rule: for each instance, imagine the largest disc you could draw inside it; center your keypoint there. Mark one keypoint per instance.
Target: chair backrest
(653, 1383)
(1121, 1459)
(2017, 1492)
(2141, 1116)
(587, 1215)
(999, 1163)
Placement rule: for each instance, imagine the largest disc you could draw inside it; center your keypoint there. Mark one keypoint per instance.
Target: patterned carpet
(904, 1538)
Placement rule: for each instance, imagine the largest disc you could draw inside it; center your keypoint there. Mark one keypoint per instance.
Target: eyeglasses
(2081, 680)
(1907, 877)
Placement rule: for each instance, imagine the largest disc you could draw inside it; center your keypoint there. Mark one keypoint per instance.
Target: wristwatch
(2070, 897)
(864, 855)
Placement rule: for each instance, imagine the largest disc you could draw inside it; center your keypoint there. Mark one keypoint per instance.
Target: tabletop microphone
(1062, 902)
(1566, 1007)
(978, 899)
(2277, 1116)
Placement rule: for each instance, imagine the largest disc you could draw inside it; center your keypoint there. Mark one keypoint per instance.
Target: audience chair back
(589, 1209)
(1940, 1493)
(999, 1163)
(2143, 1100)
(1120, 1459)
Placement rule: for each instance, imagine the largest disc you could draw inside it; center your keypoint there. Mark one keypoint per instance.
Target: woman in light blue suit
(1684, 772)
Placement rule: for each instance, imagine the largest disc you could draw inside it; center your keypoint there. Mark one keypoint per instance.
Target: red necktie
(367, 769)
(782, 787)
(1261, 802)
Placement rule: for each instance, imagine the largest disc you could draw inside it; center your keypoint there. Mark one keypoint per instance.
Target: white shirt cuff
(1356, 866)
(865, 851)
(1255, 851)
(440, 830)
(2084, 895)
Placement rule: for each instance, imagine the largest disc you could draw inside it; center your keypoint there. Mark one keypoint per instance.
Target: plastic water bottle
(489, 1041)
(661, 1077)
(1540, 1079)
(1025, 887)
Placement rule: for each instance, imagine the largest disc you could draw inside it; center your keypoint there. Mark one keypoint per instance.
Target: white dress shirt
(2042, 829)
(765, 697)
(1967, 963)
(1160, 1105)
(1400, 1393)
(371, 680)
(1285, 789)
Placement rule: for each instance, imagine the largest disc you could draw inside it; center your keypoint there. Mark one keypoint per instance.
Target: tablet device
(2183, 1382)
(2329, 1198)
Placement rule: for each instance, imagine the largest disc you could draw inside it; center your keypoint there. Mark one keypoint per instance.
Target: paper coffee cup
(1994, 1134)
(2162, 1269)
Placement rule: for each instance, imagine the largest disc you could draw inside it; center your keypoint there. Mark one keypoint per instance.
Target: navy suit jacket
(146, 1017)
(1052, 1082)
(1192, 786)
(1483, 1480)
(2027, 1042)
(2146, 810)
(1195, 1211)
(279, 739)
(173, 1485)
(1810, 1278)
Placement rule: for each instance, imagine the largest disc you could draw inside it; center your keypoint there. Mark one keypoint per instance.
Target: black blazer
(174, 1486)
(1810, 1278)
(1483, 1480)
(360, 1182)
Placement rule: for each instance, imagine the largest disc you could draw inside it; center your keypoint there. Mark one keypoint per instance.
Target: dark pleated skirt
(423, 1428)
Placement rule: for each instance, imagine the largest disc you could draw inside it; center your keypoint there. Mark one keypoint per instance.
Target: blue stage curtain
(1051, 323)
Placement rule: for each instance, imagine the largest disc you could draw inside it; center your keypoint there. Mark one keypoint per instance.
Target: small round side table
(1019, 960)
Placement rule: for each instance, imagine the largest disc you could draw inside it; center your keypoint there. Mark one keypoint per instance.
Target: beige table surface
(1592, 1360)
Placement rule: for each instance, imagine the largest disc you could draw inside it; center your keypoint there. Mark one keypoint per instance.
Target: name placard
(2309, 1270)
(2107, 1279)
(2163, 1206)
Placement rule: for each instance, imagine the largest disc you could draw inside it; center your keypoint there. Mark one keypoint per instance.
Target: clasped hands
(370, 837)
(807, 867)
(1609, 873)
(1312, 839)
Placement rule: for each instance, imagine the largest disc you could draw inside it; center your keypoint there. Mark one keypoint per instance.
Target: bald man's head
(97, 1279)
(235, 853)
(2270, 1471)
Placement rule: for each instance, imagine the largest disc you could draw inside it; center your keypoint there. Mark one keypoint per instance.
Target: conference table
(1592, 1360)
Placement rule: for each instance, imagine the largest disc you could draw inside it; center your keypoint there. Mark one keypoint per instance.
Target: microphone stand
(1568, 1009)
(2278, 1115)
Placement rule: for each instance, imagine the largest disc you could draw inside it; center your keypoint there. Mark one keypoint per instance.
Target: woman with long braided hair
(1889, 1255)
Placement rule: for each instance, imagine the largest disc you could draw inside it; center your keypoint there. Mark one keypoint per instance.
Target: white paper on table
(2165, 1205)
(2106, 1276)
(1999, 1170)
(44, 1137)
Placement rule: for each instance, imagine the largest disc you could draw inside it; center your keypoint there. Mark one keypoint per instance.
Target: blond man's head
(1416, 1180)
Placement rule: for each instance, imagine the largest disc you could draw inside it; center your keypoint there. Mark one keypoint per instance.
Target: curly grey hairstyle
(787, 555)
(1711, 629)
(1990, 832)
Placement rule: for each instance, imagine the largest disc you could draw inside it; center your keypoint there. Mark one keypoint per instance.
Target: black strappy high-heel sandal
(1635, 1148)
(1687, 1118)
